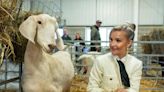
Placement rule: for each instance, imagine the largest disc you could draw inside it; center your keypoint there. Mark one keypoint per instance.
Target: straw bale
(9, 4)
(6, 7)
(146, 48)
(79, 84)
(9, 24)
(157, 35)
(148, 84)
(2, 51)
(154, 71)
(6, 40)
(161, 46)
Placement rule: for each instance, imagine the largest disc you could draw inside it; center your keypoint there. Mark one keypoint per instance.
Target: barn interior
(77, 16)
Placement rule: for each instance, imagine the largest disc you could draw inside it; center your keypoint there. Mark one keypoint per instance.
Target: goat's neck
(33, 51)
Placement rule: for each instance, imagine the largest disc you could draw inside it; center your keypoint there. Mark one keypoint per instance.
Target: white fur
(87, 61)
(44, 71)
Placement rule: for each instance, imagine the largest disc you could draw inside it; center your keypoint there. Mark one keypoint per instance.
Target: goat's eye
(39, 22)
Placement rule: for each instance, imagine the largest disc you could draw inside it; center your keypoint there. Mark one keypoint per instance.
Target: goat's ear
(56, 23)
(28, 28)
(59, 40)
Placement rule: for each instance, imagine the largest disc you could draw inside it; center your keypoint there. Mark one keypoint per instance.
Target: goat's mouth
(48, 50)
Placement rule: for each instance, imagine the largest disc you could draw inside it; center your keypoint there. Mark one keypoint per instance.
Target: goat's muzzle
(51, 46)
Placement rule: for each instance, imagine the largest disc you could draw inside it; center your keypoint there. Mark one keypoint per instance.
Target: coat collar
(124, 59)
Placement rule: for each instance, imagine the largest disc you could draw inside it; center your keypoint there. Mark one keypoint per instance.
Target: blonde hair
(129, 28)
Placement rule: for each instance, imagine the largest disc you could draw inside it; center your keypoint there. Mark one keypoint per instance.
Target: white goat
(87, 61)
(44, 71)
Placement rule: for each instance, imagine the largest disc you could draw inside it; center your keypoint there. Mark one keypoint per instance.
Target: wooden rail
(8, 81)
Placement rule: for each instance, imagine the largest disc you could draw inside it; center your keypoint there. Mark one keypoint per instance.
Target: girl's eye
(110, 39)
(118, 40)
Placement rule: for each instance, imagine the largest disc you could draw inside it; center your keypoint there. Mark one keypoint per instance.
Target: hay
(79, 84)
(156, 34)
(2, 51)
(146, 85)
(10, 38)
(154, 71)
(6, 12)
(146, 48)
(6, 18)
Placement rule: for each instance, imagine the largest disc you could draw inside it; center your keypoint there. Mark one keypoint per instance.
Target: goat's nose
(51, 46)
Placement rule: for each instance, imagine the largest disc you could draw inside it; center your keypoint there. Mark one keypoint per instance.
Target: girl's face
(119, 43)
(77, 35)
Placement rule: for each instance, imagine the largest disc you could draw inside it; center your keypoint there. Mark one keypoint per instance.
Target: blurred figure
(79, 46)
(95, 36)
(66, 36)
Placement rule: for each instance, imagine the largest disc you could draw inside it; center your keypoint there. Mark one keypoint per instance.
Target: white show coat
(105, 74)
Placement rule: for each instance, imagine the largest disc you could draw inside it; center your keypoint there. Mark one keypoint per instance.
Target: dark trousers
(94, 48)
(161, 61)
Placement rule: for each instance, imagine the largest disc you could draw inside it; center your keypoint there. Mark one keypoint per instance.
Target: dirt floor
(8, 90)
(79, 84)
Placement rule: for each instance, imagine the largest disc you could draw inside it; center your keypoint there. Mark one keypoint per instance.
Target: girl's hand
(121, 90)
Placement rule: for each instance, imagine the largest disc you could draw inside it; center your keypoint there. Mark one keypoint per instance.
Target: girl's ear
(129, 43)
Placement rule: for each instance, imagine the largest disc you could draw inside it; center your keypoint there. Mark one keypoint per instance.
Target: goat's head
(40, 29)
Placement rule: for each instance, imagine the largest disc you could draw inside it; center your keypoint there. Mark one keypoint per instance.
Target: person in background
(95, 36)
(117, 71)
(79, 46)
(66, 36)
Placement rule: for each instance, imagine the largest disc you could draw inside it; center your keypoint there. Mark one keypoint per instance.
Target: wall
(51, 7)
(151, 12)
(86, 12)
(111, 12)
